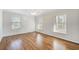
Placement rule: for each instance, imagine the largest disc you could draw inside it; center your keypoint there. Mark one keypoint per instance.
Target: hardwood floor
(36, 41)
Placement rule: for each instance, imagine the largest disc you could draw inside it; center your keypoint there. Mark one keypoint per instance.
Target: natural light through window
(39, 26)
(60, 24)
(16, 22)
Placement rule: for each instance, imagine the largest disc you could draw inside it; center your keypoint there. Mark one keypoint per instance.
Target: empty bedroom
(39, 29)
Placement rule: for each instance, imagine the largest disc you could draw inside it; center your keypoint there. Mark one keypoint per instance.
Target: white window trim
(64, 31)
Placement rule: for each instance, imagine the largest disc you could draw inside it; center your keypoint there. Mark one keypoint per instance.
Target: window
(16, 22)
(39, 26)
(60, 24)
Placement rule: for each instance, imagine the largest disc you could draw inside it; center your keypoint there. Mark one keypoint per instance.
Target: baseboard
(58, 38)
(43, 34)
(17, 34)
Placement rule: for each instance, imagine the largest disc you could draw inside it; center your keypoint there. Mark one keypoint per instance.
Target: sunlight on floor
(39, 40)
(58, 46)
(17, 44)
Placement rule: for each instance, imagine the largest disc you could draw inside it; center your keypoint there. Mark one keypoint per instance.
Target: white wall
(28, 24)
(1, 24)
(72, 24)
(47, 20)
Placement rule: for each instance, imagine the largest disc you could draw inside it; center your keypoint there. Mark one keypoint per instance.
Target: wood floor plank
(36, 41)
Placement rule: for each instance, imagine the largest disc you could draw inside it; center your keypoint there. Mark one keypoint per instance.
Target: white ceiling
(37, 11)
(31, 11)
